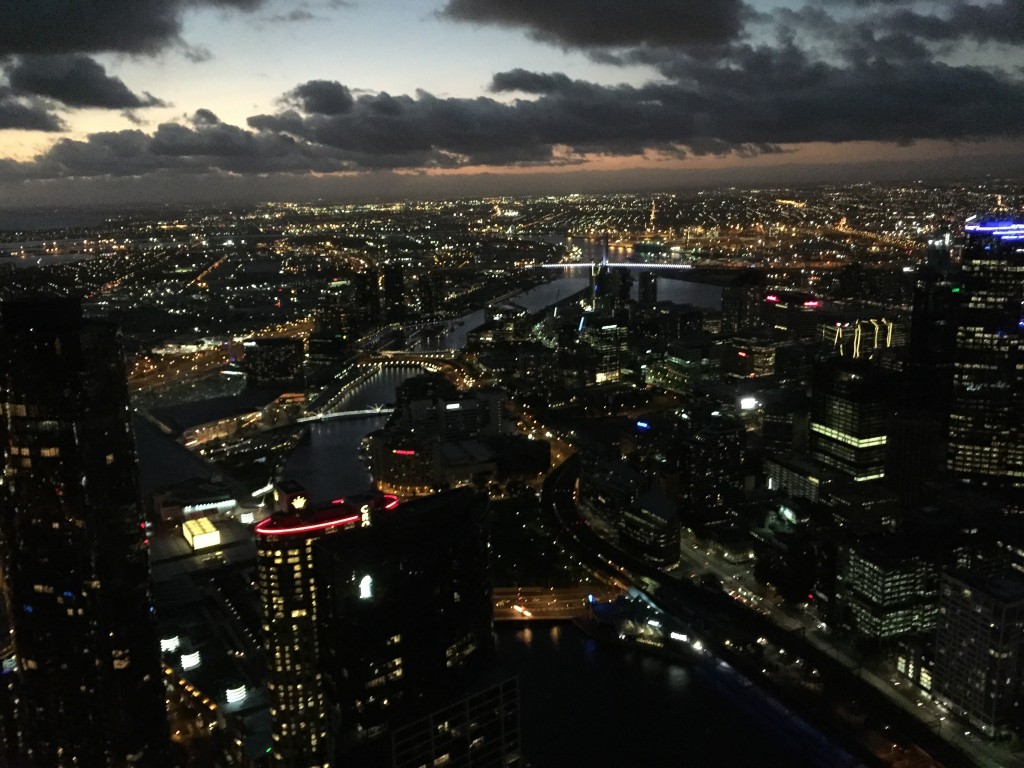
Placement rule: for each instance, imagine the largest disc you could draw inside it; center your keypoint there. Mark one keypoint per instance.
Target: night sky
(113, 100)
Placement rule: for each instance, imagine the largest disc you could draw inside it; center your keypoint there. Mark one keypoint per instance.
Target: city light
(191, 660)
(266, 527)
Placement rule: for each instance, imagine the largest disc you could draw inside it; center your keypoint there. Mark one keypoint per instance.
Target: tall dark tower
(851, 404)
(986, 427)
(394, 293)
(647, 293)
(75, 563)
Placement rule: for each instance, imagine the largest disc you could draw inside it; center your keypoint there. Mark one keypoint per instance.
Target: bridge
(378, 410)
(593, 266)
(548, 603)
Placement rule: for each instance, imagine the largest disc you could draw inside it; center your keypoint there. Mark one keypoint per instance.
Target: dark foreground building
(405, 611)
(75, 565)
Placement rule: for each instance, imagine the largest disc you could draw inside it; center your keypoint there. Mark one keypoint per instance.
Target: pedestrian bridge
(377, 410)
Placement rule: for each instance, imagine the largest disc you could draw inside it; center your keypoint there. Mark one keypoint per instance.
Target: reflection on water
(327, 462)
(534, 300)
(589, 704)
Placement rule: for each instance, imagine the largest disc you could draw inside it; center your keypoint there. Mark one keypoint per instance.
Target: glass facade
(986, 429)
(75, 560)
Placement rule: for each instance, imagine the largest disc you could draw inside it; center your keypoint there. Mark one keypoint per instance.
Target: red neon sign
(264, 528)
(390, 501)
(742, 354)
(403, 452)
(771, 297)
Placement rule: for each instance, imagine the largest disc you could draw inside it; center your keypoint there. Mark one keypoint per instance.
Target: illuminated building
(405, 610)
(608, 341)
(650, 528)
(750, 357)
(795, 313)
(986, 428)
(75, 562)
(288, 593)
(274, 362)
(850, 406)
(978, 643)
(887, 590)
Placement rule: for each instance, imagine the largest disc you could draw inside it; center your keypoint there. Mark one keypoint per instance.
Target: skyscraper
(405, 610)
(288, 593)
(74, 556)
(986, 429)
(850, 408)
(977, 649)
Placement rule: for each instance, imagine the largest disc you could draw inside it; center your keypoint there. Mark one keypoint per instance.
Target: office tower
(608, 341)
(709, 457)
(405, 610)
(394, 293)
(288, 593)
(741, 307)
(980, 629)
(851, 403)
(75, 563)
(649, 527)
(647, 289)
(274, 362)
(986, 428)
(886, 588)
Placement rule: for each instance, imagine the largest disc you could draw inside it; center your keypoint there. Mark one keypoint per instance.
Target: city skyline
(261, 99)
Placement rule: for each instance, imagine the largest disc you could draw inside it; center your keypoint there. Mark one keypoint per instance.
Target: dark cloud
(28, 114)
(324, 97)
(203, 148)
(529, 82)
(956, 20)
(75, 80)
(609, 23)
(70, 26)
(1000, 22)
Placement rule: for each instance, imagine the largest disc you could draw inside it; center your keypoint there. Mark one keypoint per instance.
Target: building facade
(978, 670)
(288, 593)
(986, 427)
(75, 561)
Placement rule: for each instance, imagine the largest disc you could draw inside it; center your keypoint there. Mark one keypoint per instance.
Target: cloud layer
(724, 80)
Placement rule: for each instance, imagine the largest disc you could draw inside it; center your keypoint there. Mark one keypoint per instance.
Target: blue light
(643, 426)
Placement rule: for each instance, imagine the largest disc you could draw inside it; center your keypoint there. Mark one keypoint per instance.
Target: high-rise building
(850, 406)
(647, 289)
(288, 593)
(978, 642)
(887, 589)
(608, 341)
(393, 281)
(405, 610)
(986, 427)
(274, 362)
(75, 562)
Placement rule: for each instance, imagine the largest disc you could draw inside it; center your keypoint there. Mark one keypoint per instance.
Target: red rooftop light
(812, 304)
(264, 527)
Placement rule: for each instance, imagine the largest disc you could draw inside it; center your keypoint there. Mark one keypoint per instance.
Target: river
(587, 704)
